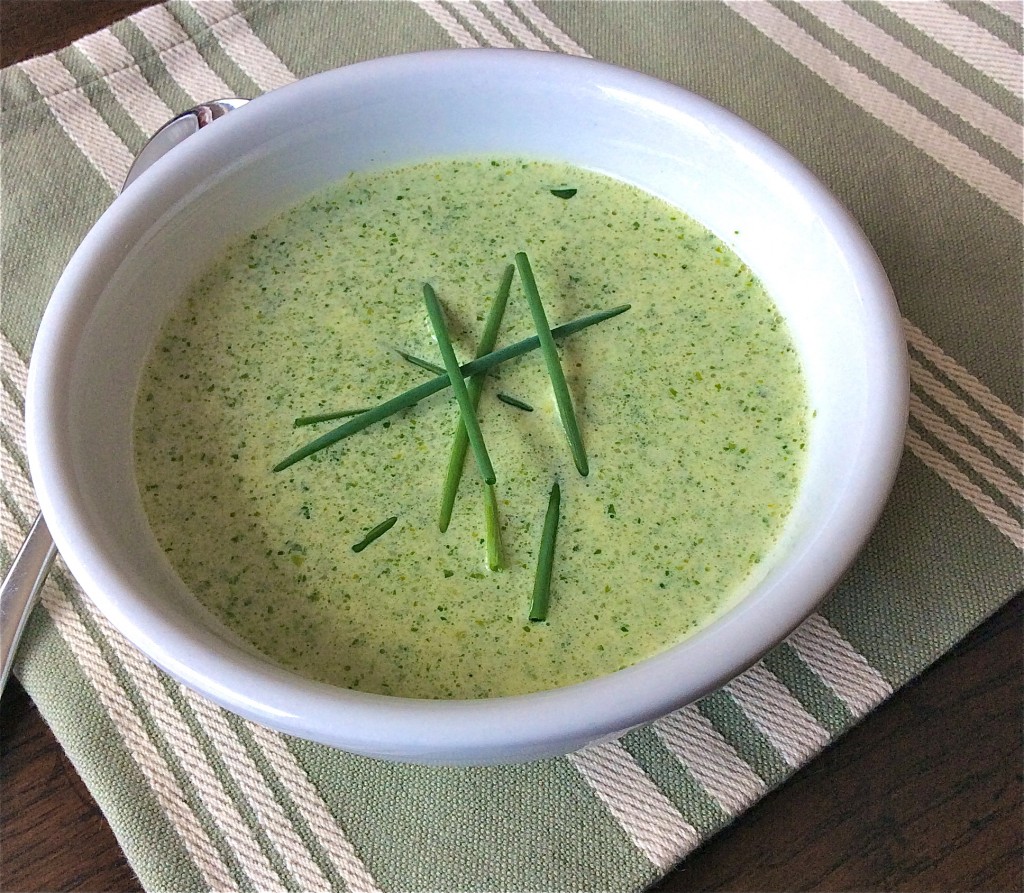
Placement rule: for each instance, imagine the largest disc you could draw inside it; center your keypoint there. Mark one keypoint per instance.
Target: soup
(691, 407)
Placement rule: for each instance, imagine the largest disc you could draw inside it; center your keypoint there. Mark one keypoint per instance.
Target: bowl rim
(502, 729)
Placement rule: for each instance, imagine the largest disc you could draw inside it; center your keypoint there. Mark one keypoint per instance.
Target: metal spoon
(25, 578)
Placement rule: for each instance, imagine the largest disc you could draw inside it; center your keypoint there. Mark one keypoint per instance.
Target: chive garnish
(451, 363)
(414, 395)
(375, 533)
(492, 528)
(325, 417)
(546, 557)
(554, 366)
(563, 193)
(460, 442)
(515, 401)
(423, 364)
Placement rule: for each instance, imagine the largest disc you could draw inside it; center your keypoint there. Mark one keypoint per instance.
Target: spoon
(21, 586)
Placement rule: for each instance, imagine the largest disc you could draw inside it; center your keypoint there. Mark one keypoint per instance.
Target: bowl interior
(232, 176)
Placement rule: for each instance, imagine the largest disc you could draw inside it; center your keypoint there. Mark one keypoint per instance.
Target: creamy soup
(691, 407)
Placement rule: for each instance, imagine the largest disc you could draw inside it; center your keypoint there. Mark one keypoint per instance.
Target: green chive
(325, 417)
(375, 533)
(515, 401)
(423, 364)
(492, 529)
(460, 442)
(554, 366)
(546, 557)
(451, 363)
(563, 193)
(414, 395)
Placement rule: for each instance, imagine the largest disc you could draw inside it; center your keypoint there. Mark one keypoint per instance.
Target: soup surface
(691, 405)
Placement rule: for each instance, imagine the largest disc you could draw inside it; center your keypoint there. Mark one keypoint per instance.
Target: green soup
(691, 406)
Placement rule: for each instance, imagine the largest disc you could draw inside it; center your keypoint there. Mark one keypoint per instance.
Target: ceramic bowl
(120, 285)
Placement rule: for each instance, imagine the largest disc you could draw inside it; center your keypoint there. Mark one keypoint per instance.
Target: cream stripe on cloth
(716, 765)
(654, 825)
(14, 479)
(1012, 9)
(247, 776)
(839, 665)
(247, 51)
(1001, 519)
(179, 55)
(456, 31)
(963, 379)
(559, 39)
(959, 444)
(792, 731)
(922, 74)
(313, 811)
(82, 123)
(958, 158)
(968, 417)
(515, 26)
(972, 43)
(480, 23)
(110, 57)
(187, 748)
(12, 364)
(710, 759)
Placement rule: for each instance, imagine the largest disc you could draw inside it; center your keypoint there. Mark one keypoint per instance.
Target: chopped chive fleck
(515, 401)
(414, 395)
(492, 529)
(375, 533)
(546, 557)
(326, 417)
(423, 364)
(460, 442)
(451, 363)
(564, 193)
(554, 365)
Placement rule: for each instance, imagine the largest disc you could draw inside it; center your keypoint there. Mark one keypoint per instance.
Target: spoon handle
(177, 130)
(21, 590)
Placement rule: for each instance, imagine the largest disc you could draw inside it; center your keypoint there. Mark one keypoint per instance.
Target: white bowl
(231, 176)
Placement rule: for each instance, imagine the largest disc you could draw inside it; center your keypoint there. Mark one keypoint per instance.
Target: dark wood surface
(925, 795)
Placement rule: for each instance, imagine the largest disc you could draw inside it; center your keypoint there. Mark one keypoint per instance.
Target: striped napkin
(911, 112)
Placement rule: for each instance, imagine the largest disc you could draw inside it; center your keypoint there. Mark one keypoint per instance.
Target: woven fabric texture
(909, 112)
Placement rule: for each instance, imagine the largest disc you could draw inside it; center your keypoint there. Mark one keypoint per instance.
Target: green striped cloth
(910, 112)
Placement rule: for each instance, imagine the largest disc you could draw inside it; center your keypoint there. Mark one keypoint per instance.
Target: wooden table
(925, 795)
